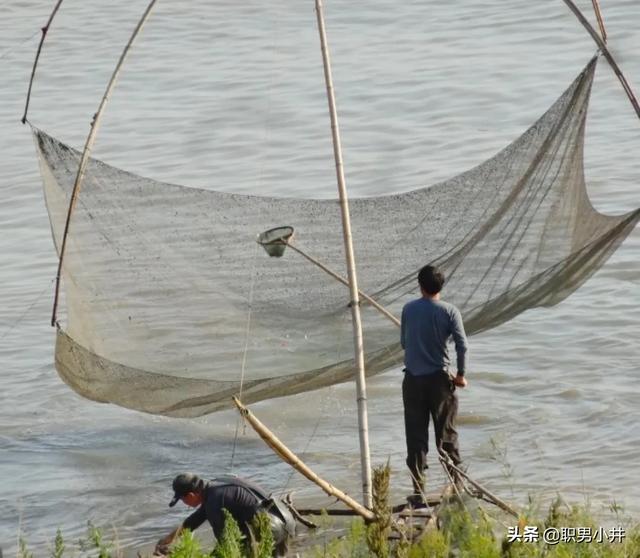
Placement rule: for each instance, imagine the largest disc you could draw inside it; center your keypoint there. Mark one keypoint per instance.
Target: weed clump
(378, 531)
(187, 546)
(462, 533)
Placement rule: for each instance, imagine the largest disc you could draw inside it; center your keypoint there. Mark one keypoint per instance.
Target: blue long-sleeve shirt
(426, 326)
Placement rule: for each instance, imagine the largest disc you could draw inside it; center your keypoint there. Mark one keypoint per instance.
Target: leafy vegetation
(262, 544)
(58, 545)
(231, 544)
(465, 531)
(188, 546)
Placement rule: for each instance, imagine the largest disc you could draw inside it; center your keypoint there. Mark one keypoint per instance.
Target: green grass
(463, 534)
(466, 530)
(187, 546)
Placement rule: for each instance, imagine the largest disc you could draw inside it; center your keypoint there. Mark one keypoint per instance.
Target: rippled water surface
(229, 95)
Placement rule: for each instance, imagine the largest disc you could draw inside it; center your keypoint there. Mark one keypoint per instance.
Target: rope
(340, 346)
(28, 309)
(259, 184)
(244, 353)
(17, 45)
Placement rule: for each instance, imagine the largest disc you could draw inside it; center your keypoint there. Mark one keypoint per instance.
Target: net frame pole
(607, 54)
(596, 9)
(292, 459)
(44, 30)
(344, 281)
(363, 421)
(95, 124)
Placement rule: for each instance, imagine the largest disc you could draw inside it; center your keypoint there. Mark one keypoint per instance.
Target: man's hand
(162, 547)
(460, 381)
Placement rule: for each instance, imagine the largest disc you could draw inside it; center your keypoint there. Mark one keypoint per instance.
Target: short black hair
(431, 279)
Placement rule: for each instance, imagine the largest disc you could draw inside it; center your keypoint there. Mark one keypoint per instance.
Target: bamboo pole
(35, 62)
(344, 281)
(596, 9)
(287, 455)
(296, 514)
(447, 463)
(431, 500)
(603, 47)
(363, 426)
(87, 151)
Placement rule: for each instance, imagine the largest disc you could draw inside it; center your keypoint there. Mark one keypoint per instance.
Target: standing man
(241, 498)
(428, 387)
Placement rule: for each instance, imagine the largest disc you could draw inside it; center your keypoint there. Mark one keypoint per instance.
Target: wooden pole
(87, 151)
(363, 426)
(344, 281)
(605, 51)
(603, 31)
(35, 62)
(287, 455)
(447, 463)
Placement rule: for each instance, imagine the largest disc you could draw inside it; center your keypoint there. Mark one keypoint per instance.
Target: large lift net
(159, 279)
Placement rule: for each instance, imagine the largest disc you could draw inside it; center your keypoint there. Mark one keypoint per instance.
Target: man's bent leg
(416, 426)
(280, 537)
(283, 527)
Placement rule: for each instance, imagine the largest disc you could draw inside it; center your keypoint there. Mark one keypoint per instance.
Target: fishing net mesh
(159, 279)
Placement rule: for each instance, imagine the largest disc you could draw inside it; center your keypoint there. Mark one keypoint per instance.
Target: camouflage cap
(182, 485)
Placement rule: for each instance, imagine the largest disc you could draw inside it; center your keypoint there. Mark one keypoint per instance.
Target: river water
(230, 96)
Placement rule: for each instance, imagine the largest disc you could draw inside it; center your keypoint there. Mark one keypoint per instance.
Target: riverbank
(565, 531)
(459, 526)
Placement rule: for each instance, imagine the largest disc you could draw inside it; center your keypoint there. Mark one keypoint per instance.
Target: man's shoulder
(220, 484)
(412, 304)
(419, 306)
(451, 310)
(444, 309)
(448, 306)
(236, 484)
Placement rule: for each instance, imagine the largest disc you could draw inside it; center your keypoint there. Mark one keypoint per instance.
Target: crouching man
(241, 498)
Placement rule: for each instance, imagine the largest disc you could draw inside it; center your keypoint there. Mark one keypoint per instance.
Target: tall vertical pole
(363, 425)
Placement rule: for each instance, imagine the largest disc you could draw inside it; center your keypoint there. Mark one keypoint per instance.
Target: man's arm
(192, 522)
(196, 519)
(402, 328)
(460, 341)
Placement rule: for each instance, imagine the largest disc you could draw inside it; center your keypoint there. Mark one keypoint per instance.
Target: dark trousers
(281, 532)
(423, 396)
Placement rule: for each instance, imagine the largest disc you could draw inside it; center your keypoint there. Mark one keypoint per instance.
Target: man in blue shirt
(428, 387)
